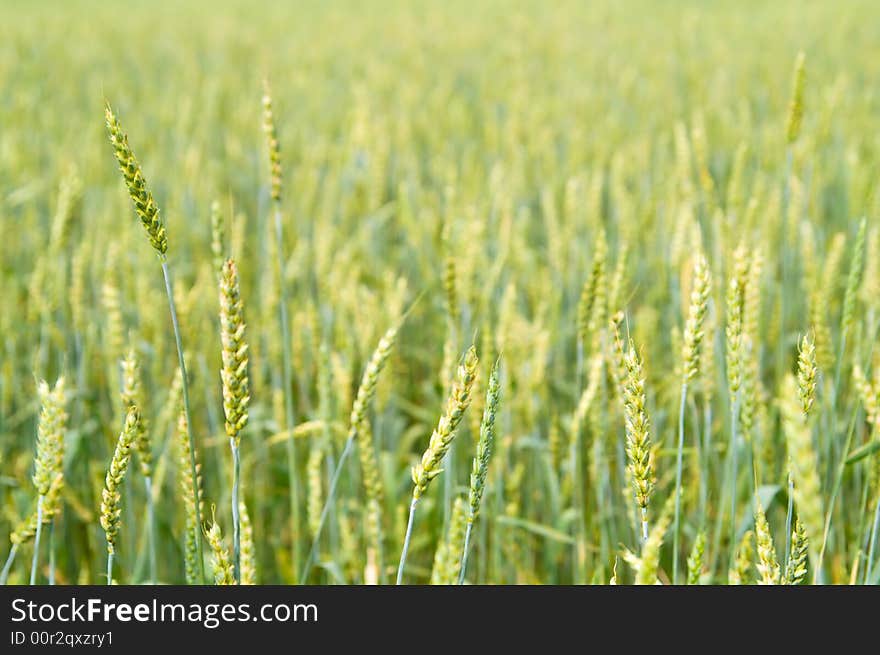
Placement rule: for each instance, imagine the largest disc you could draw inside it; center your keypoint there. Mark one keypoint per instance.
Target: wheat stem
(151, 527)
(36, 556)
(331, 490)
(733, 466)
(4, 575)
(236, 519)
(789, 516)
(52, 553)
(464, 551)
(406, 539)
(186, 409)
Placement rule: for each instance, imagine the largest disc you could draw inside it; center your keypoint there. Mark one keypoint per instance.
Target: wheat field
(481, 293)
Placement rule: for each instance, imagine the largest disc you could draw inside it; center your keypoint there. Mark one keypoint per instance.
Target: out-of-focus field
(516, 175)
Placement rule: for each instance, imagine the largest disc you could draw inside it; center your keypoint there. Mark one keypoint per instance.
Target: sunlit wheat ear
(441, 439)
(221, 563)
(236, 385)
(234, 373)
(146, 208)
(693, 331)
(806, 375)
(695, 559)
(272, 142)
(796, 568)
(638, 434)
(51, 427)
(767, 563)
(796, 103)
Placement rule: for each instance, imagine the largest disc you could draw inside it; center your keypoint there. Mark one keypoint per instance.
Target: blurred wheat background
(543, 181)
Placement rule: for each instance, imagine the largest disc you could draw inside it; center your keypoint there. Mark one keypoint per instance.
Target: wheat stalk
(428, 467)
(148, 212)
(236, 386)
(691, 351)
(275, 173)
(191, 492)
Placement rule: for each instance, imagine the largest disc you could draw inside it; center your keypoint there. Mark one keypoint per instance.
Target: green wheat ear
(50, 436)
(146, 208)
(695, 560)
(272, 142)
(480, 465)
(428, 467)
(111, 496)
(796, 568)
(638, 434)
(234, 374)
(221, 562)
